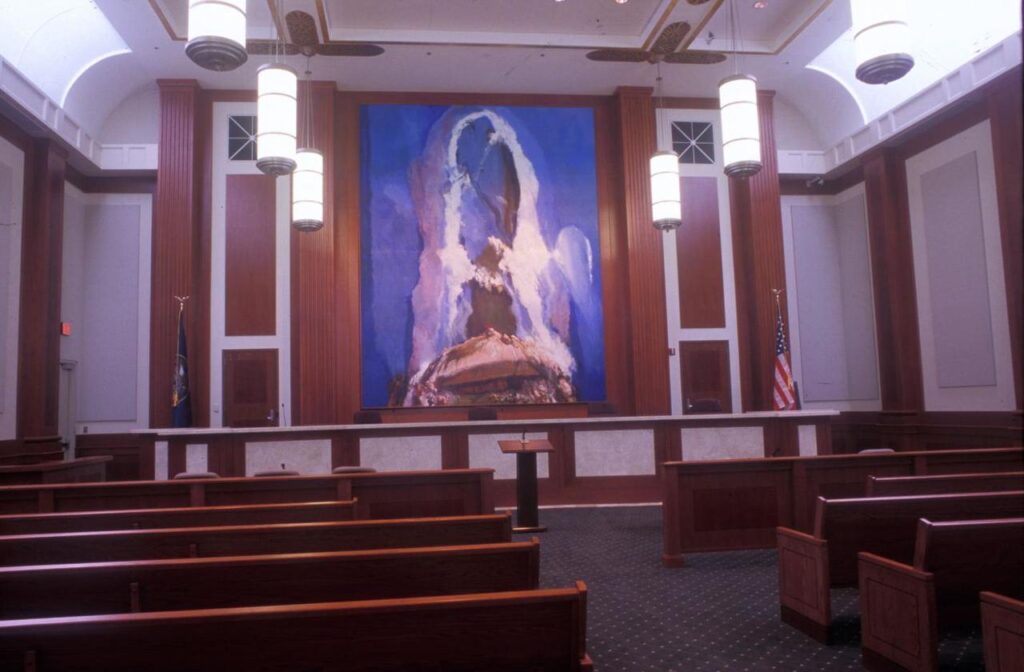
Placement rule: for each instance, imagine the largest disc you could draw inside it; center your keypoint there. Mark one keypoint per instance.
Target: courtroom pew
(905, 606)
(106, 546)
(537, 630)
(198, 516)
(903, 486)
(1002, 631)
(408, 494)
(723, 505)
(240, 581)
(809, 565)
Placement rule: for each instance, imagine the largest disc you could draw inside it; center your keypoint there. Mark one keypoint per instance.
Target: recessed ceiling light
(760, 4)
(622, 2)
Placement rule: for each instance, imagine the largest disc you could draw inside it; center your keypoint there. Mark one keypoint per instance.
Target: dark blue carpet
(720, 612)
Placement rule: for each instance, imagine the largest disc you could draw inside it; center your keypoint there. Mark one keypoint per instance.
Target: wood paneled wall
(892, 271)
(315, 329)
(1005, 113)
(175, 242)
(699, 254)
(759, 264)
(645, 260)
(39, 325)
(250, 256)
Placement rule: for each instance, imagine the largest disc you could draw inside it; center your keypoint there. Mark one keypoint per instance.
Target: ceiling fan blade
(619, 55)
(695, 57)
(698, 2)
(301, 29)
(262, 47)
(349, 49)
(670, 38)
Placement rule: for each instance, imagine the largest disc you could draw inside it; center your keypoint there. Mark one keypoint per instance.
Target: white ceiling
(800, 48)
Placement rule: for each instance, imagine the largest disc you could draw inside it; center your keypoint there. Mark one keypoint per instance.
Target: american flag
(783, 389)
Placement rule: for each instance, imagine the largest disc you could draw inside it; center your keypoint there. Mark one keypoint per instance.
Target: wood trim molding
(41, 252)
(313, 258)
(176, 208)
(1004, 110)
(892, 272)
(649, 371)
(759, 265)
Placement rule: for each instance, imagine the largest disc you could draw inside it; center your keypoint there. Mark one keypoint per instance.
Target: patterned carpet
(720, 612)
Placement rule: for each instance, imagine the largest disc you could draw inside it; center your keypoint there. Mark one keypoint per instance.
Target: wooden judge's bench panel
(596, 460)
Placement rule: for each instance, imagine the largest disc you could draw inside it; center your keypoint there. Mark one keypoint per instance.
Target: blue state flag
(181, 400)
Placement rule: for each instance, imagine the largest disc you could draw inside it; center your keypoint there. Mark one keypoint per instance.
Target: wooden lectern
(526, 451)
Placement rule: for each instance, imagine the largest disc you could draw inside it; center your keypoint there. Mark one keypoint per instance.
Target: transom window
(693, 141)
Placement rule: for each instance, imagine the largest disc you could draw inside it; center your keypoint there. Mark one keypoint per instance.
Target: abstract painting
(480, 260)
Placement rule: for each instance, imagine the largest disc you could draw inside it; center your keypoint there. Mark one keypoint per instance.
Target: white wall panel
(305, 457)
(402, 453)
(12, 175)
(831, 317)
(958, 268)
(627, 452)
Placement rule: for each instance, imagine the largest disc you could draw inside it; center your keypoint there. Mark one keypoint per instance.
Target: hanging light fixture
(308, 178)
(276, 114)
(666, 196)
(881, 40)
(216, 34)
(741, 127)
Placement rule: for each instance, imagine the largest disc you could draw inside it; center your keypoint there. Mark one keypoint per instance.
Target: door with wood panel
(250, 388)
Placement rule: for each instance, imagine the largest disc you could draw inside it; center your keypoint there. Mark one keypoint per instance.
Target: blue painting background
(560, 144)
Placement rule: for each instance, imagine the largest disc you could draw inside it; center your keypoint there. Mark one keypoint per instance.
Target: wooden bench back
(45, 549)
(887, 526)
(408, 494)
(969, 556)
(204, 583)
(905, 486)
(539, 631)
(198, 516)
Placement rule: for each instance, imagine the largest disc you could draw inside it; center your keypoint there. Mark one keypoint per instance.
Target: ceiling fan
(663, 50)
(302, 39)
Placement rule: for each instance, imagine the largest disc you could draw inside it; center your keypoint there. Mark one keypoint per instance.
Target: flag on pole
(783, 387)
(181, 401)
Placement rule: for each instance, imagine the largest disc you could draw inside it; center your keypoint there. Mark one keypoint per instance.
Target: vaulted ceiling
(89, 55)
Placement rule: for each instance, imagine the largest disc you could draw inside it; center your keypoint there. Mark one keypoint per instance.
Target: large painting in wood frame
(480, 262)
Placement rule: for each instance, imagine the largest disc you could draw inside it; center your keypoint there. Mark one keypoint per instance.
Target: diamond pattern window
(242, 138)
(693, 141)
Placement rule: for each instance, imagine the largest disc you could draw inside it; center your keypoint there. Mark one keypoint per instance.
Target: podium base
(525, 530)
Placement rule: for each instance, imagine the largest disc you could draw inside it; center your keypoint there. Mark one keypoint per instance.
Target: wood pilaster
(41, 262)
(645, 261)
(176, 207)
(759, 264)
(314, 329)
(1004, 109)
(347, 364)
(892, 272)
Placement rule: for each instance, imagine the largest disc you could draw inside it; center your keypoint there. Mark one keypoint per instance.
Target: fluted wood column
(39, 322)
(314, 327)
(175, 241)
(892, 273)
(645, 263)
(759, 264)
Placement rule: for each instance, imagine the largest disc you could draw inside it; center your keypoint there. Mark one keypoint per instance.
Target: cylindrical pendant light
(308, 191)
(881, 40)
(666, 198)
(276, 118)
(216, 33)
(741, 128)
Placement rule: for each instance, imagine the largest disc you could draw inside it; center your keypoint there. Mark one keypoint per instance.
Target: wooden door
(705, 376)
(250, 388)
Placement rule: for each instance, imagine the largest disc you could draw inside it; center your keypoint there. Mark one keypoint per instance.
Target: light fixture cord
(309, 106)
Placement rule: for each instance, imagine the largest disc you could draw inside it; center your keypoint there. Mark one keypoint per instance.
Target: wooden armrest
(799, 536)
(892, 565)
